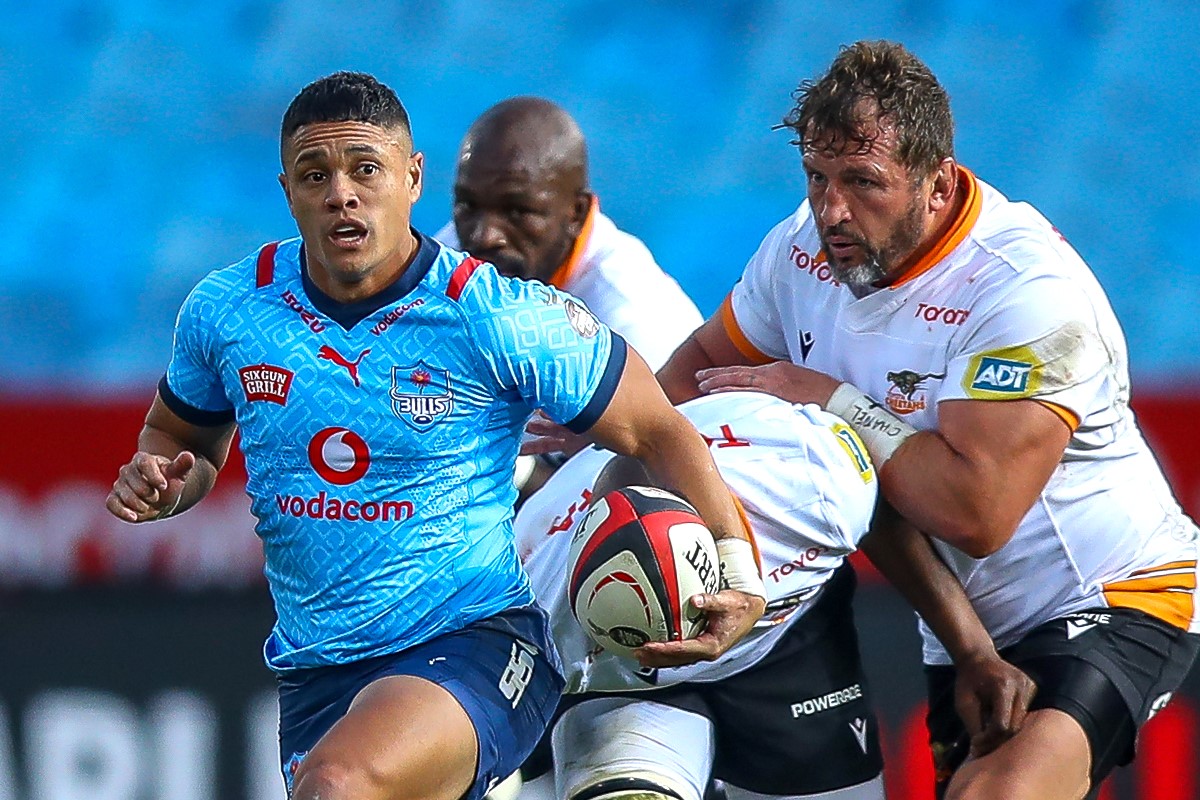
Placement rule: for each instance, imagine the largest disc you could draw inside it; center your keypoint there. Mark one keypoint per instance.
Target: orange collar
(564, 273)
(954, 235)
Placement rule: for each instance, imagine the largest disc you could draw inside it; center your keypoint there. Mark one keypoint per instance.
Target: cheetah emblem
(908, 382)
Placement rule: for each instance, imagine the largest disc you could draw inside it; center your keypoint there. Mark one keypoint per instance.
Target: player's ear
(287, 192)
(580, 210)
(415, 174)
(945, 180)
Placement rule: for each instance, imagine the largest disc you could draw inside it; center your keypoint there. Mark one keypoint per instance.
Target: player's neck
(354, 288)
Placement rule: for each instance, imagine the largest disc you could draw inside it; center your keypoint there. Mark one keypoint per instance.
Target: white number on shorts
(517, 674)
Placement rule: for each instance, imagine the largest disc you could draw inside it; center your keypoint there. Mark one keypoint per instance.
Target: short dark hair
(895, 85)
(342, 97)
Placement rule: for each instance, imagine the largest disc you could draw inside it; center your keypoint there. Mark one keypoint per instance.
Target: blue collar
(350, 314)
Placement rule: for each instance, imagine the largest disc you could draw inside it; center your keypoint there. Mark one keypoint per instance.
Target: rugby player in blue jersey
(380, 383)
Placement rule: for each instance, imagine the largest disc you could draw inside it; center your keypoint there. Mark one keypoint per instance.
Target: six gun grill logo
(421, 395)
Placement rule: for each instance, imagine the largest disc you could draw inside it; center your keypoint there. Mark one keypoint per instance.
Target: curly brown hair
(876, 80)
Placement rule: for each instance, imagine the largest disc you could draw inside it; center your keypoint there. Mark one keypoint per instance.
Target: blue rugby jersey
(380, 436)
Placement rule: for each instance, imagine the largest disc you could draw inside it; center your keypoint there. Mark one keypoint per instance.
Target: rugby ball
(635, 559)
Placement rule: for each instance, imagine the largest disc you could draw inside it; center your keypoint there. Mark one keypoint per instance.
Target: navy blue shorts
(503, 670)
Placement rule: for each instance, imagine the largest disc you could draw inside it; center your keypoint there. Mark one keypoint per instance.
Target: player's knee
(625, 789)
(328, 779)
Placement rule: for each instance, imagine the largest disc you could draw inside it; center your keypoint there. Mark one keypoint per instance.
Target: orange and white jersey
(805, 484)
(1001, 308)
(616, 276)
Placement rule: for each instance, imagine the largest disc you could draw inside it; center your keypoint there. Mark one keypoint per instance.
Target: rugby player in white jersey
(786, 713)
(977, 356)
(522, 202)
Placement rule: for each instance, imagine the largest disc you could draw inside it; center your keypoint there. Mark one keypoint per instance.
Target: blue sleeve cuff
(189, 413)
(605, 389)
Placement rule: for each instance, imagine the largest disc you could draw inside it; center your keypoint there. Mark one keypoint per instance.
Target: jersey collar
(350, 314)
(563, 275)
(954, 235)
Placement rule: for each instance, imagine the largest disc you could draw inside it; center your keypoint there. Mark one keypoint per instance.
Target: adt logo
(1002, 375)
(421, 395)
(339, 455)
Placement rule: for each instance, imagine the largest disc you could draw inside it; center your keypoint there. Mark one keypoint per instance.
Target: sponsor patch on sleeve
(1004, 374)
(854, 447)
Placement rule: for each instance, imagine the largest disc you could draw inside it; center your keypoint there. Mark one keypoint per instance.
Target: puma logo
(329, 354)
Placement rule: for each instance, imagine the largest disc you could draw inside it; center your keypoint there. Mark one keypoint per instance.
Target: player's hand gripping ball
(635, 560)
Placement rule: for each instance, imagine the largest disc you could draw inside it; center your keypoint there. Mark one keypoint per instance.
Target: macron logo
(1082, 623)
(859, 727)
(807, 340)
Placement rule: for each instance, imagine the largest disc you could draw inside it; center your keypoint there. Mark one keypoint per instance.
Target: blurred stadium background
(143, 148)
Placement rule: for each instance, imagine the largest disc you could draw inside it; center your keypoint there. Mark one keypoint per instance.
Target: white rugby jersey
(1001, 308)
(616, 276)
(805, 484)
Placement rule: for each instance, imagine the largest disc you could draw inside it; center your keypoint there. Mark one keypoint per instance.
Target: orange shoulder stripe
(734, 332)
(1065, 414)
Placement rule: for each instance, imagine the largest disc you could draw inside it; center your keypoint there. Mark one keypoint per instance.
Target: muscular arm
(907, 559)
(641, 423)
(971, 481)
(707, 346)
(175, 467)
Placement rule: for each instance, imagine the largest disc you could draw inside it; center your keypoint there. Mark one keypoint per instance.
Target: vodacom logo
(339, 455)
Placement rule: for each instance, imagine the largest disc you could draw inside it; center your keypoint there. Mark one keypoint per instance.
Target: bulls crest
(421, 395)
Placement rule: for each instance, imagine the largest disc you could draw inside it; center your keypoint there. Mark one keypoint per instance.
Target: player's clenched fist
(149, 486)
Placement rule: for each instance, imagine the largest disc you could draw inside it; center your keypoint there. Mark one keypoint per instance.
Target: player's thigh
(488, 690)
(1048, 759)
(1108, 670)
(867, 790)
(623, 747)
(403, 736)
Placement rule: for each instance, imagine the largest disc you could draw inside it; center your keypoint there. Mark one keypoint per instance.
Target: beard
(881, 262)
(860, 279)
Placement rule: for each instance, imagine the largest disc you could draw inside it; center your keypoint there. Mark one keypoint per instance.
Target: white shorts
(618, 737)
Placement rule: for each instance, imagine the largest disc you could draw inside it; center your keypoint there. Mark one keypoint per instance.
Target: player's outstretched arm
(175, 466)
(991, 695)
(641, 423)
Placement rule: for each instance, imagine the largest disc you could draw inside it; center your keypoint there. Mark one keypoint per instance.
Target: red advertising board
(60, 457)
